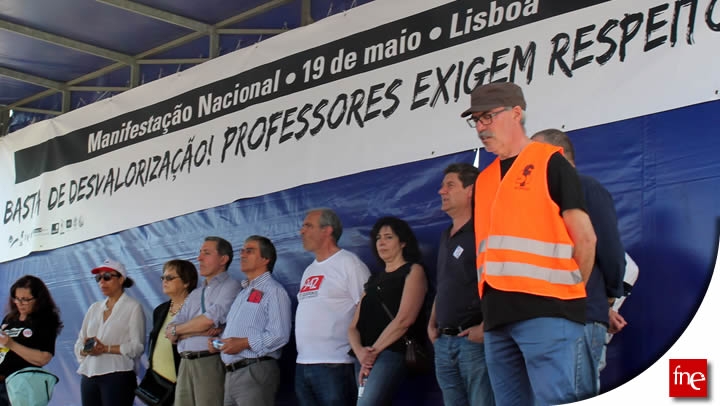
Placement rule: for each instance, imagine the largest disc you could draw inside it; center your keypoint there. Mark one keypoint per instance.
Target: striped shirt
(219, 295)
(261, 312)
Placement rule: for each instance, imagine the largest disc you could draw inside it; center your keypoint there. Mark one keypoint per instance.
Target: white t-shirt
(329, 292)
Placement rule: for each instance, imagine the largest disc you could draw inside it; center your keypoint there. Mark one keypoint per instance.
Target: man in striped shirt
(258, 326)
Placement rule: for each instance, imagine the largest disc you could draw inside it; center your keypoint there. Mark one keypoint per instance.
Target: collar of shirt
(468, 227)
(219, 278)
(120, 300)
(255, 282)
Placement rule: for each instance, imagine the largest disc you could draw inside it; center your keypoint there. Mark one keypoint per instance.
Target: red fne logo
(688, 378)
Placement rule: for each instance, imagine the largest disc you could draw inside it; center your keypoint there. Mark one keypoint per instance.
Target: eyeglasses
(484, 119)
(23, 300)
(106, 276)
(168, 278)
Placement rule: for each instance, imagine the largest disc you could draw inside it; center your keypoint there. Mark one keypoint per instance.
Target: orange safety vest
(521, 240)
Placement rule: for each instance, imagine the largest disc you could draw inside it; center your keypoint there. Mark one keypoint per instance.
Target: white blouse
(125, 326)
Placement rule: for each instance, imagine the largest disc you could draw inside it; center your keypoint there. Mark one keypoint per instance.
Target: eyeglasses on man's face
(485, 118)
(248, 251)
(106, 276)
(168, 278)
(23, 300)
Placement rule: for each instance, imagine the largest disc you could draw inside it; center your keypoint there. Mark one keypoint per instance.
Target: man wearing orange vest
(535, 251)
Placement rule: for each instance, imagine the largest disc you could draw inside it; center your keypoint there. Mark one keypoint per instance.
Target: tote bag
(31, 386)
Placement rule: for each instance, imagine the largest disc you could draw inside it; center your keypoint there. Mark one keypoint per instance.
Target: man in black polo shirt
(455, 326)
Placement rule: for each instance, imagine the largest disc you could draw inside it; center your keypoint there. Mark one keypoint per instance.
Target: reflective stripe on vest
(546, 249)
(532, 271)
(552, 250)
(481, 247)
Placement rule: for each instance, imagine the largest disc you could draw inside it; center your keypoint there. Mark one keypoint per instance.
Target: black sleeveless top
(384, 287)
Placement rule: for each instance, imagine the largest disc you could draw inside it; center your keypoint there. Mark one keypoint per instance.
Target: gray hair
(558, 138)
(328, 218)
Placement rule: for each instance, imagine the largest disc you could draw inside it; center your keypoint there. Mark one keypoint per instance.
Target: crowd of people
(527, 278)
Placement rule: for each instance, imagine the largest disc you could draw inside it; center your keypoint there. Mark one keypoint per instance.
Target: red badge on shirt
(255, 296)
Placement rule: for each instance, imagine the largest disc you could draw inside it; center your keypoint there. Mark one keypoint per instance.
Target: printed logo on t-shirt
(27, 333)
(14, 332)
(311, 286)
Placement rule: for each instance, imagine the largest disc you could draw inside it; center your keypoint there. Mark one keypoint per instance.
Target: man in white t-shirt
(330, 290)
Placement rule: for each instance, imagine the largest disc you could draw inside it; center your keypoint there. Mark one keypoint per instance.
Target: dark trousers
(115, 389)
(4, 401)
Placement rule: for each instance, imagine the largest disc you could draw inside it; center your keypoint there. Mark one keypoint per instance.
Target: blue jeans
(589, 355)
(461, 372)
(325, 384)
(387, 373)
(533, 361)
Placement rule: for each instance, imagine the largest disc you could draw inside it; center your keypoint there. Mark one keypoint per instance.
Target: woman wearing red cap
(111, 338)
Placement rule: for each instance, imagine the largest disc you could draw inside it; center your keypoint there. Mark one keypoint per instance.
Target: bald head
(558, 138)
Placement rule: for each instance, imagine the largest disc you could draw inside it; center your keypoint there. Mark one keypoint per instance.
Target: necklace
(173, 313)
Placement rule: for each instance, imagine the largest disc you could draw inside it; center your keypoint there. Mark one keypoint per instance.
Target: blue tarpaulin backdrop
(662, 170)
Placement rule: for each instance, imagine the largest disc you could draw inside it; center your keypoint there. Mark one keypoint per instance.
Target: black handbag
(417, 358)
(154, 390)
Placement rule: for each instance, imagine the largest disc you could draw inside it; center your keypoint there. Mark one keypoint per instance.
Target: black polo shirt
(457, 302)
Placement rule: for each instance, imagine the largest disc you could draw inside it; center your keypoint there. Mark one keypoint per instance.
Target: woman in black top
(29, 329)
(179, 278)
(388, 310)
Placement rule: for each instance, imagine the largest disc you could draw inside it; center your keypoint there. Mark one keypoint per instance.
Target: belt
(196, 354)
(453, 331)
(245, 362)
(450, 331)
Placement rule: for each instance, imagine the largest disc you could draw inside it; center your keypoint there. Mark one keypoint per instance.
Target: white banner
(380, 85)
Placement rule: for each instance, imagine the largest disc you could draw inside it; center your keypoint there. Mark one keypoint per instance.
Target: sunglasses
(106, 276)
(168, 278)
(23, 300)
